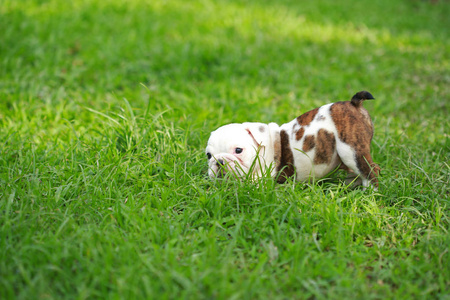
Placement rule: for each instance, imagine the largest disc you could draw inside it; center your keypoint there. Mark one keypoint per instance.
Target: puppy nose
(219, 162)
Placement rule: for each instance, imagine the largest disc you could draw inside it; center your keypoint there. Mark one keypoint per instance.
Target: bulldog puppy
(336, 135)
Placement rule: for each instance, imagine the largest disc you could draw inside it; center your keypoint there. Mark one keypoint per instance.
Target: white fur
(259, 146)
(304, 161)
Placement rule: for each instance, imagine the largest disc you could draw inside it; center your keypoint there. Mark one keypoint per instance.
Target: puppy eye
(208, 155)
(238, 150)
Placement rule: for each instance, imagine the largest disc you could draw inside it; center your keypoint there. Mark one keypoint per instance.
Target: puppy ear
(259, 132)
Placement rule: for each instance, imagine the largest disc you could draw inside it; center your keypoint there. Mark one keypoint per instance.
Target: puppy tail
(359, 97)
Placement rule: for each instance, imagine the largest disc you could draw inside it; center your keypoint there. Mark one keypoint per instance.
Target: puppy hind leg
(360, 163)
(368, 169)
(348, 158)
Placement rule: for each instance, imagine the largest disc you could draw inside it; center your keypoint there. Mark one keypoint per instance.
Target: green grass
(105, 110)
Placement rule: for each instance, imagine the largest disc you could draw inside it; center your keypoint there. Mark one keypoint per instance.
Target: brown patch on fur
(353, 124)
(368, 168)
(325, 147)
(277, 150)
(262, 128)
(355, 128)
(308, 143)
(307, 117)
(299, 134)
(286, 165)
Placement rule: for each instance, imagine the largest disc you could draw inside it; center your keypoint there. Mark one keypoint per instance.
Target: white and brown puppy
(311, 146)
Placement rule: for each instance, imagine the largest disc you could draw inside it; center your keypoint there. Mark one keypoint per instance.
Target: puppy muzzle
(220, 166)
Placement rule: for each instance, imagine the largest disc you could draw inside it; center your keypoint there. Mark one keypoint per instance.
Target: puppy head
(233, 149)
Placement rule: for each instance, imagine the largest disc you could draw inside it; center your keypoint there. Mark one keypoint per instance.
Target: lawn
(105, 110)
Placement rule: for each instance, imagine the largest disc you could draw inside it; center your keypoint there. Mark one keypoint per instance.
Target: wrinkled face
(231, 149)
